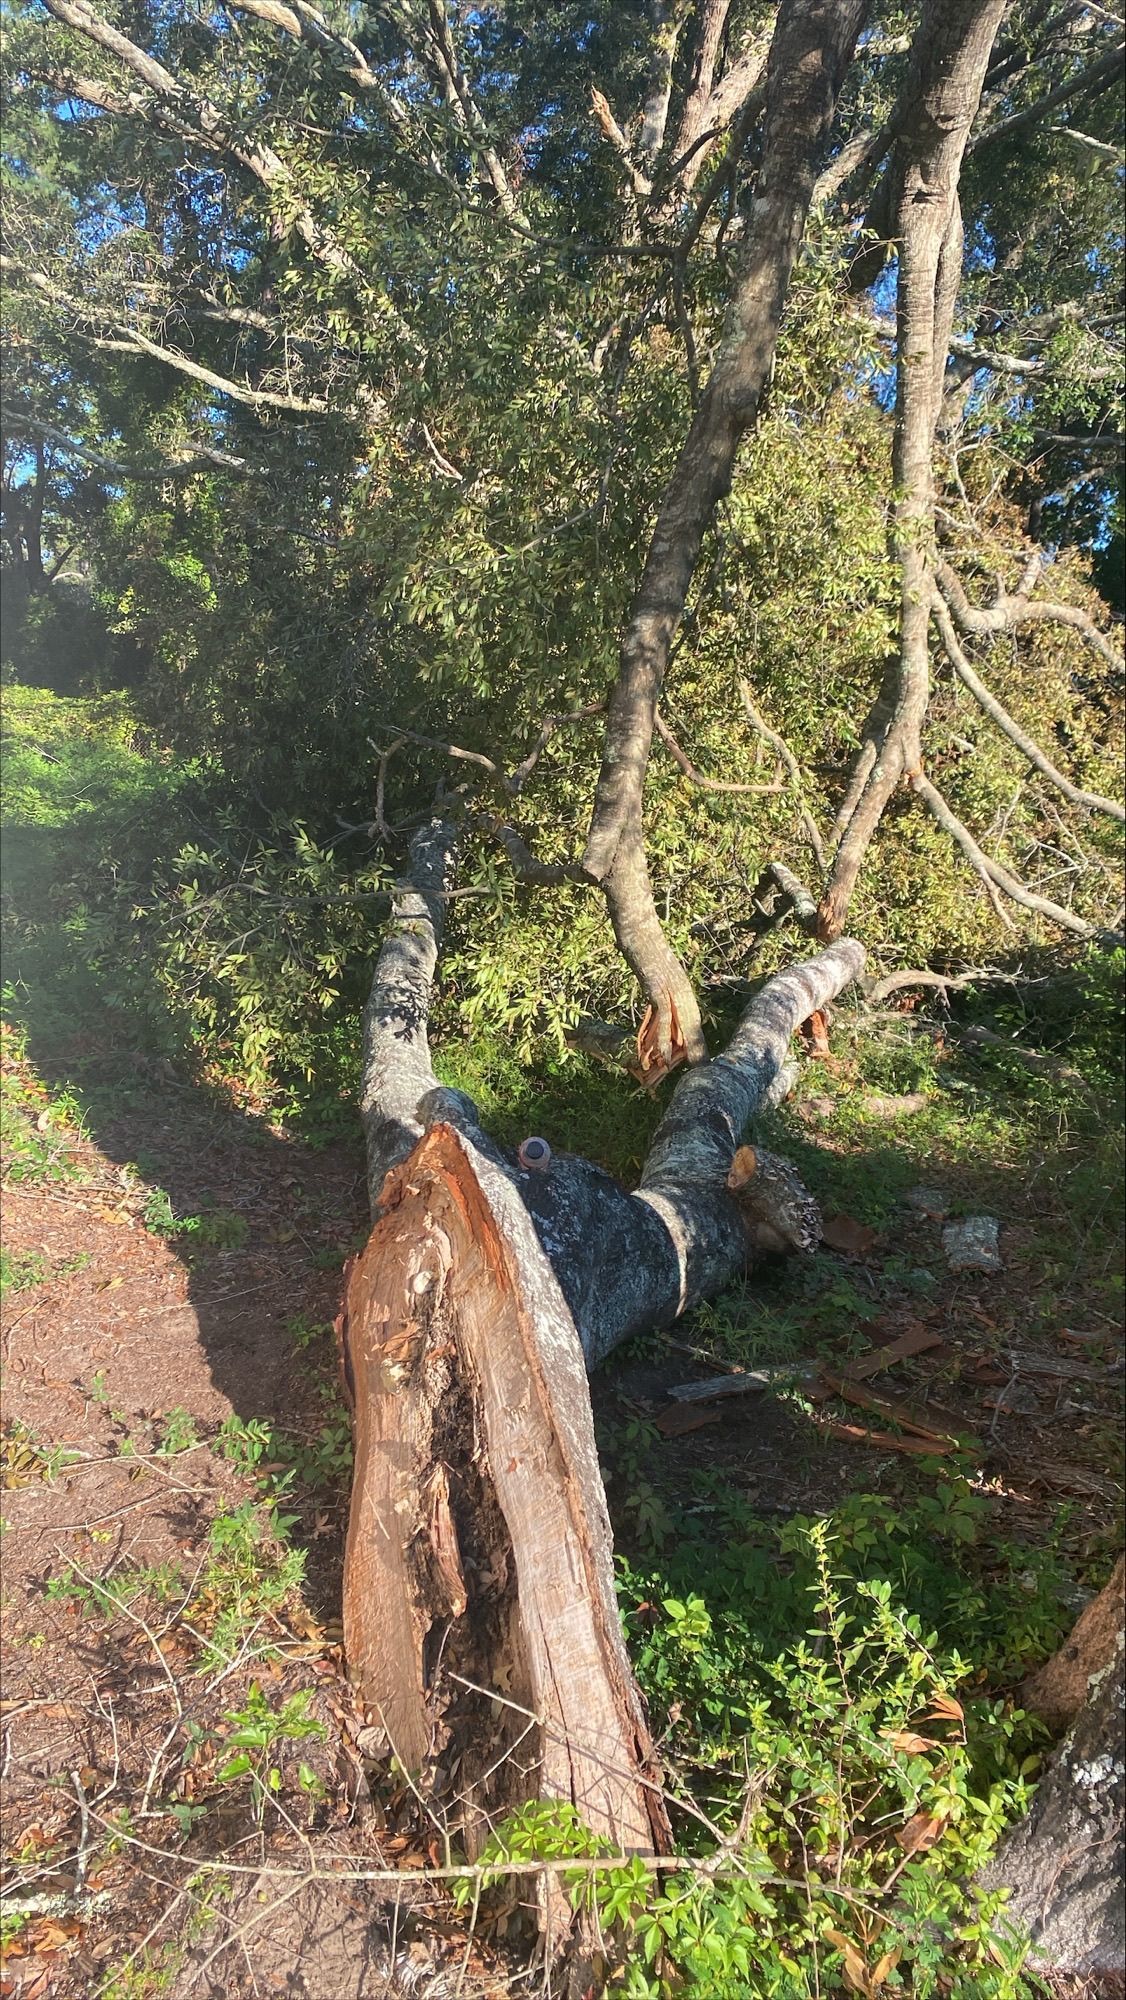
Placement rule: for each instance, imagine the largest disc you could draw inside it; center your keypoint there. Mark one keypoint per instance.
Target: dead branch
(1006, 724)
(993, 874)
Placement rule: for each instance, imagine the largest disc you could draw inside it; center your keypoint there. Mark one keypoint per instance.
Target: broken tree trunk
(480, 1616)
(1064, 1864)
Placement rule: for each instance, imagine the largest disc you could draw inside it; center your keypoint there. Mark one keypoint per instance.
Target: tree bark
(951, 55)
(1065, 1862)
(479, 1608)
(812, 46)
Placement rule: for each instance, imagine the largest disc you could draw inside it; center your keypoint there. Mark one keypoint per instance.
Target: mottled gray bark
(480, 1617)
(623, 1261)
(1065, 1863)
(397, 1078)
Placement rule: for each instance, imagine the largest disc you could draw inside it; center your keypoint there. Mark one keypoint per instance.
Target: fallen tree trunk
(480, 1617)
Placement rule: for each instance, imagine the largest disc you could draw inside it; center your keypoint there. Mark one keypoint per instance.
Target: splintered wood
(479, 1611)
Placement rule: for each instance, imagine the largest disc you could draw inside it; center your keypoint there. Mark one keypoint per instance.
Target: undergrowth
(833, 1691)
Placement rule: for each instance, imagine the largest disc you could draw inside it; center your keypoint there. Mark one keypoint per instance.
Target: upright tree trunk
(1065, 1864)
(812, 47)
(480, 1617)
(951, 54)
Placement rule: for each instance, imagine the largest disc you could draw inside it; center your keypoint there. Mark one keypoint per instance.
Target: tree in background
(384, 369)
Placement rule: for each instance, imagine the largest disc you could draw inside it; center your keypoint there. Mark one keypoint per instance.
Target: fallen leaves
(911, 1743)
(922, 1830)
(42, 1938)
(945, 1708)
(859, 1977)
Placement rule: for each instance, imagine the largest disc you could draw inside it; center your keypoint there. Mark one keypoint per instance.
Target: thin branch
(783, 750)
(308, 24)
(525, 864)
(991, 872)
(194, 458)
(685, 764)
(1008, 612)
(941, 982)
(453, 750)
(518, 778)
(975, 357)
(1010, 728)
(1089, 144)
(130, 340)
(467, 113)
(1098, 76)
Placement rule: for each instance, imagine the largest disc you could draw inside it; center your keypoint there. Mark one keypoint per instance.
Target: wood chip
(917, 1341)
(851, 1238)
(899, 1413)
(914, 1447)
(1061, 1365)
(679, 1418)
(1077, 1479)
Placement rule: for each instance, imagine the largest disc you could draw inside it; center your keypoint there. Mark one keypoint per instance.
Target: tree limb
(397, 1076)
(812, 46)
(952, 49)
(130, 340)
(193, 458)
(1006, 724)
(991, 872)
(467, 112)
(1098, 76)
(1011, 610)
